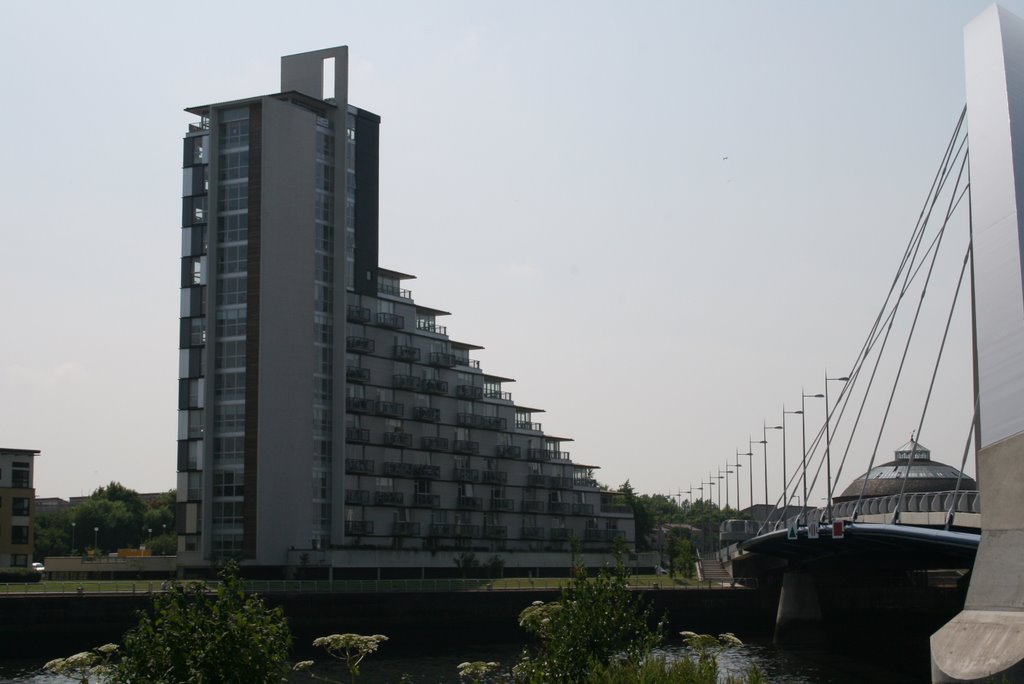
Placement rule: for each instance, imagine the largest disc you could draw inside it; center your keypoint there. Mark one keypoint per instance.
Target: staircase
(713, 571)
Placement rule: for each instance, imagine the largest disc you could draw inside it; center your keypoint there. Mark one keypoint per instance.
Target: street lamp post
(803, 428)
(73, 537)
(764, 443)
(828, 443)
(785, 479)
(96, 539)
(738, 466)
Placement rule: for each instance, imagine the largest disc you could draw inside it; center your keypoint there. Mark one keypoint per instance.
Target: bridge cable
(951, 513)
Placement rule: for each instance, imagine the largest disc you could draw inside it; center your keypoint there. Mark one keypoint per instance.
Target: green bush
(20, 575)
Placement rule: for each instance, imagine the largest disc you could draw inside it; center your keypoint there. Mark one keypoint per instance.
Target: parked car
(38, 567)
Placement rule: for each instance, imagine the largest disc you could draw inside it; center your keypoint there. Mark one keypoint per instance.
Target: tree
(196, 636)
(643, 519)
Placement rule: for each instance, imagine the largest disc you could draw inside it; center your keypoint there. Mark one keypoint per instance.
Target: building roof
(913, 463)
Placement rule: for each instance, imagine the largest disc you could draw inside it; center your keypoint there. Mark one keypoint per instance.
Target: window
(20, 478)
(19, 505)
(230, 386)
(233, 197)
(227, 513)
(197, 332)
(195, 484)
(195, 455)
(232, 259)
(229, 418)
(234, 165)
(228, 449)
(385, 484)
(325, 238)
(231, 354)
(234, 133)
(19, 560)
(231, 323)
(231, 291)
(233, 228)
(19, 534)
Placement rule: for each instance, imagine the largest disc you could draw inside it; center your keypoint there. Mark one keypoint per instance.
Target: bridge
(976, 189)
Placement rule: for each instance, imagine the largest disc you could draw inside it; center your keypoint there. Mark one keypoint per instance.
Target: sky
(665, 220)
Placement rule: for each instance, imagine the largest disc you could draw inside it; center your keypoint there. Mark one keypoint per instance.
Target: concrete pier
(798, 623)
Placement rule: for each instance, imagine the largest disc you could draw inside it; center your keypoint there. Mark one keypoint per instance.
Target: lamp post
(738, 466)
(785, 479)
(727, 473)
(828, 443)
(73, 524)
(764, 443)
(803, 428)
(750, 471)
(95, 539)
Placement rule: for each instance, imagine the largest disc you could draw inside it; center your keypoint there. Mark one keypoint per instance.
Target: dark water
(439, 665)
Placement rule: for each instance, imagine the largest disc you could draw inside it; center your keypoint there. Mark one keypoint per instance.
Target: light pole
(73, 537)
(750, 471)
(95, 539)
(785, 480)
(727, 474)
(828, 443)
(738, 466)
(803, 428)
(764, 443)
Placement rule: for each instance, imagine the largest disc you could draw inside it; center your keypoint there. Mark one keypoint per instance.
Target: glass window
(233, 228)
(234, 165)
(19, 534)
(232, 259)
(19, 505)
(231, 322)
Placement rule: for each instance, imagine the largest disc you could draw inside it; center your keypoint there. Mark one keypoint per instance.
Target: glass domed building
(913, 462)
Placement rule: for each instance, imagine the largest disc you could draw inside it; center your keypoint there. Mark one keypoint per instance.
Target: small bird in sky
(724, 158)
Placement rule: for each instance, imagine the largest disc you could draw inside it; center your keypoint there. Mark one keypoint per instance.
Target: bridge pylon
(985, 642)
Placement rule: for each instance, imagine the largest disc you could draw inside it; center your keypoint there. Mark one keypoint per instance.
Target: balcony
(358, 527)
(507, 505)
(532, 532)
(466, 530)
(561, 482)
(493, 423)
(495, 531)
(398, 439)
(428, 471)
(582, 509)
(465, 446)
(497, 394)
(426, 413)
(469, 392)
(465, 475)
(359, 405)
(440, 530)
(547, 455)
(390, 409)
(392, 468)
(537, 480)
(394, 291)
(388, 498)
(357, 374)
(527, 425)
(592, 534)
(561, 534)
(359, 345)
(358, 466)
(402, 528)
(559, 507)
(390, 320)
(357, 435)
(466, 361)
(435, 386)
(467, 419)
(443, 359)
(619, 508)
(357, 314)
(508, 451)
(532, 506)
(357, 497)
(402, 352)
(494, 477)
(435, 443)
(583, 481)
(425, 499)
(474, 503)
(405, 382)
(430, 326)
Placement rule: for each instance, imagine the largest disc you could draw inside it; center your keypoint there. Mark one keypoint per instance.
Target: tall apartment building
(16, 497)
(326, 419)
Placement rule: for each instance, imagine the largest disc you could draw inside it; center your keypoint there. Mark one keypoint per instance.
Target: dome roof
(913, 463)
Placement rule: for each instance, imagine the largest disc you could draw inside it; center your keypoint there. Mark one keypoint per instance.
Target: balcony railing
(547, 455)
(561, 482)
(591, 534)
(405, 353)
(497, 394)
(358, 527)
(469, 392)
(425, 499)
(388, 498)
(440, 530)
(398, 439)
(508, 451)
(358, 466)
(560, 533)
(435, 443)
(532, 506)
(435, 386)
(390, 320)
(537, 480)
(465, 475)
(466, 361)
(357, 314)
(359, 405)
(465, 446)
(622, 509)
(359, 345)
(582, 509)
(507, 505)
(466, 530)
(428, 471)
(527, 425)
(357, 374)
(580, 481)
(493, 423)
(394, 291)
(559, 507)
(426, 413)
(357, 497)
(402, 528)
(392, 468)
(443, 359)
(495, 477)
(479, 421)
(390, 408)
(430, 326)
(472, 502)
(532, 532)
(495, 531)
(405, 382)
(357, 435)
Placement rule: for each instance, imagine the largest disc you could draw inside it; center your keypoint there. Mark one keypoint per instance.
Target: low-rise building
(16, 506)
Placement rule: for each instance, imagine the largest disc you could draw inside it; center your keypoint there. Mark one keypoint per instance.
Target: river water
(440, 665)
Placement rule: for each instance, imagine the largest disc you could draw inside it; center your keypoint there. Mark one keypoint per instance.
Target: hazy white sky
(553, 172)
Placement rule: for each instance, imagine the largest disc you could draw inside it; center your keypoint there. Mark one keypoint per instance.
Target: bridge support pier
(798, 621)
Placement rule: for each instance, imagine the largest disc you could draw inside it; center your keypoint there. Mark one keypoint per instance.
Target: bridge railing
(917, 502)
